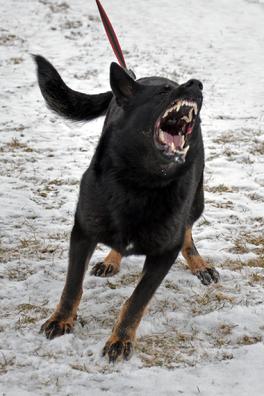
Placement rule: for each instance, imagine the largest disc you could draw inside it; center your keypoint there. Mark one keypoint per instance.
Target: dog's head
(157, 121)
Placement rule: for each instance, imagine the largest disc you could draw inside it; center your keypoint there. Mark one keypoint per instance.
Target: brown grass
(258, 148)
(225, 329)
(243, 242)
(30, 314)
(225, 138)
(249, 340)
(15, 144)
(6, 363)
(30, 247)
(258, 262)
(221, 188)
(166, 350)
(256, 278)
(211, 300)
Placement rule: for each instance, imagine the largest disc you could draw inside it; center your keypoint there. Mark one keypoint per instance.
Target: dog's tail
(63, 100)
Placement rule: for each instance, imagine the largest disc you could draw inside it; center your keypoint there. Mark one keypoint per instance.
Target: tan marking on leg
(194, 260)
(63, 318)
(109, 267)
(122, 339)
(128, 331)
(113, 258)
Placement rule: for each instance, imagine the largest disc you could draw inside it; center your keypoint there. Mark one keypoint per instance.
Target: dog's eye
(165, 89)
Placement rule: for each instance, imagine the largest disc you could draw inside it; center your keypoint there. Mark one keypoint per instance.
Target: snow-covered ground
(193, 340)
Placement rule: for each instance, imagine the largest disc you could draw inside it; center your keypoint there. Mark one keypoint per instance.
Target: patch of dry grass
(223, 205)
(16, 60)
(38, 247)
(225, 329)
(15, 144)
(221, 188)
(129, 279)
(25, 248)
(249, 340)
(171, 285)
(30, 314)
(258, 148)
(239, 247)
(166, 350)
(211, 300)
(256, 278)
(246, 243)
(7, 39)
(6, 363)
(19, 273)
(230, 154)
(233, 265)
(256, 197)
(225, 138)
(258, 262)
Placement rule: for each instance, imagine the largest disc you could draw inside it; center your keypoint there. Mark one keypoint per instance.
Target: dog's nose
(194, 84)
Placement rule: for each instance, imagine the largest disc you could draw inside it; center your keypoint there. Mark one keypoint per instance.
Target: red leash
(111, 35)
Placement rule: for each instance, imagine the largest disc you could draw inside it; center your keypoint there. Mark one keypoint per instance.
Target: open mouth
(174, 127)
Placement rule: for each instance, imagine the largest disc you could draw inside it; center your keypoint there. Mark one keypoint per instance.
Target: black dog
(141, 193)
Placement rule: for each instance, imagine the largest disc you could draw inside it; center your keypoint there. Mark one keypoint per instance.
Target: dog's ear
(123, 86)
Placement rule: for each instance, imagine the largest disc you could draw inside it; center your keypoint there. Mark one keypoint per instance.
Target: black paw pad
(208, 275)
(55, 328)
(118, 349)
(103, 270)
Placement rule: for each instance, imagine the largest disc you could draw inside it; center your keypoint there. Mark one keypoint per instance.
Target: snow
(193, 340)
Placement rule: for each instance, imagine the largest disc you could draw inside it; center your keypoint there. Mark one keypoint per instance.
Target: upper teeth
(177, 145)
(189, 118)
(181, 103)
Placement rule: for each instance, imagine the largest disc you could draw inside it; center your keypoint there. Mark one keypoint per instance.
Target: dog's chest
(151, 226)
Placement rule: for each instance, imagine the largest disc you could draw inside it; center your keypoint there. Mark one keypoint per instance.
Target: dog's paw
(54, 328)
(116, 349)
(208, 276)
(104, 269)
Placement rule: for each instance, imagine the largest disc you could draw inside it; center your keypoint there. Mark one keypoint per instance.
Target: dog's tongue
(177, 140)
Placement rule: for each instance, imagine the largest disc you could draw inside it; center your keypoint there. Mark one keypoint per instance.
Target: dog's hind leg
(204, 271)
(120, 343)
(62, 320)
(109, 267)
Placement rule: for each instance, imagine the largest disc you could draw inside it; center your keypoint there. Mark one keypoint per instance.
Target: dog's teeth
(190, 114)
(161, 136)
(184, 151)
(178, 105)
(183, 142)
(188, 118)
(166, 113)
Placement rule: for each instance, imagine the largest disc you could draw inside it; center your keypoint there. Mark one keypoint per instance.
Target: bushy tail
(63, 100)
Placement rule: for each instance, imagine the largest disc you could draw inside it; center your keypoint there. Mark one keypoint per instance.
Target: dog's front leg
(62, 320)
(205, 272)
(120, 344)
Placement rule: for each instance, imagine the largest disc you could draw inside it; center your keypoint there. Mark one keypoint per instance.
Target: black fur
(133, 198)
(63, 100)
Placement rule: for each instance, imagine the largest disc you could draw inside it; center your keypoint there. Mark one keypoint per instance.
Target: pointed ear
(123, 86)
